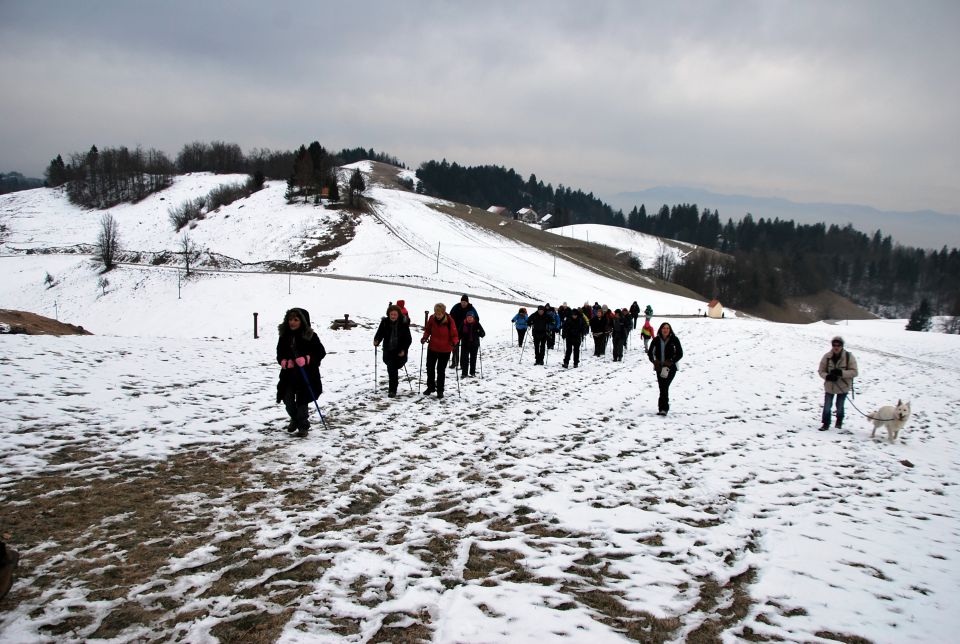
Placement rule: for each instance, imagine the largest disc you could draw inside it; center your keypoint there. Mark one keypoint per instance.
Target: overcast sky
(854, 102)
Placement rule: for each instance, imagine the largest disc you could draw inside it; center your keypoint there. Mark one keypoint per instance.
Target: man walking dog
(838, 368)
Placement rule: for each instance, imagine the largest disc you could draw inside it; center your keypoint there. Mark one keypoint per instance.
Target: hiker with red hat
(441, 332)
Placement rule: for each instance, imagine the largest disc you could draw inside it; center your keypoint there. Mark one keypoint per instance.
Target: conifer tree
(920, 319)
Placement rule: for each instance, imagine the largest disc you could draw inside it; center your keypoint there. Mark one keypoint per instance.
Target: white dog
(893, 418)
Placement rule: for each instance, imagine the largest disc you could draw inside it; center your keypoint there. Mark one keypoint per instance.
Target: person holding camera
(838, 368)
(665, 352)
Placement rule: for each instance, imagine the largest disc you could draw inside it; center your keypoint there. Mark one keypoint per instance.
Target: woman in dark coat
(665, 352)
(299, 352)
(470, 334)
(394, 332)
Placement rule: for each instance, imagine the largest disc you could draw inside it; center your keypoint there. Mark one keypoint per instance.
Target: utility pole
(178, 284)
(554, 261)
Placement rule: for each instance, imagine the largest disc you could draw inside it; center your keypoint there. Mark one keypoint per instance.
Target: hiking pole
(522, 347)
(456, 372)
(546, 357)
(408, 376)
(480, 355)
(374, 367)
(420, 375)
(306, 380)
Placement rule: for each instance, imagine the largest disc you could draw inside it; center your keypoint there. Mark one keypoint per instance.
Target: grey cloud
(851, 101)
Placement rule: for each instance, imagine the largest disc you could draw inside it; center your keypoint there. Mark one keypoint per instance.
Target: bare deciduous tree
(108, 241)
(189, 251)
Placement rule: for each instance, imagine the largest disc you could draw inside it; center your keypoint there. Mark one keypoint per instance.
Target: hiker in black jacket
(619, 331)
(299, 352)
(470, 334)
(394, 333)
(600, 328)
(573, 330)
(459, 313)
(634, 313)
(665, 352)
(538, 323)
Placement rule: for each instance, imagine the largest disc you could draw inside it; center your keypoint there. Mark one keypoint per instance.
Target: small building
(528, 215)
(500, 210)
(715, 309)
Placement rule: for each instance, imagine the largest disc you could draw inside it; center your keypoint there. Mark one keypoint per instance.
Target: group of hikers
(575, 324)
(454, 337)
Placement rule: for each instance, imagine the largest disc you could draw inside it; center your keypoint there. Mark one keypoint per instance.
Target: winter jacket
(847, 365)
(395, 338)
(620, 325)
(600, 324)
(648, 312)
(459, 313)
(647, 330)
(470, 334)
(441, 333)
(539, 323)
(554, 322)
(670, 355)
(305, 344)
(634, 310)
(574, 327)
(520, 321)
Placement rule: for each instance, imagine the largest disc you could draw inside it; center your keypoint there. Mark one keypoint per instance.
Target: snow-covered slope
(644, 247)
(154, 495)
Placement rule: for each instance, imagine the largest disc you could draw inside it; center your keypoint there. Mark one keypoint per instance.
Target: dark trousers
(634, 321)
(663, 404)
(539, 347)
(575, 348)
(299, 414)
(550, 339)
(468, 355)
(599, 344)
(828, 403)
(436, 370)
(618, 348)
(394, 364)
(520, 334)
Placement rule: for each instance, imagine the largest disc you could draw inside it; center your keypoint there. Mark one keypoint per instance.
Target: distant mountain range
(922, 228)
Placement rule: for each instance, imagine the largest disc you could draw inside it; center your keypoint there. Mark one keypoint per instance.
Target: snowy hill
(154, 495)
(644, 247)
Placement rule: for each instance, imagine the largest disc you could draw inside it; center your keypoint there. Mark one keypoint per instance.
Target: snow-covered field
(154, 495)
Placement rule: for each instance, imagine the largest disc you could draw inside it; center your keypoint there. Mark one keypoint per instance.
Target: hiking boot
(292, 426)
(439, 395)
(825, 427)
(8, 564)
(565, 365)
(391, 394)
(839, 423)
(302, 433)
(428, 391)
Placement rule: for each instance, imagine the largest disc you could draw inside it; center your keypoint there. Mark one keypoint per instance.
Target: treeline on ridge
(757, 260)
(101, 178)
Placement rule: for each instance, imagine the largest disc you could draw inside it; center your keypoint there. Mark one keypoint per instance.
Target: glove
(301, 361)
(836, 373)
(831, 378)
(423, 340)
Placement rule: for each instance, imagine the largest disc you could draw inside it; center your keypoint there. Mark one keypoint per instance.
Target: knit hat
(464, 298)
(837, 340)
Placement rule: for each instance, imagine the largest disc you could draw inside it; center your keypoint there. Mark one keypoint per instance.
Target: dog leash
(868, 416)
